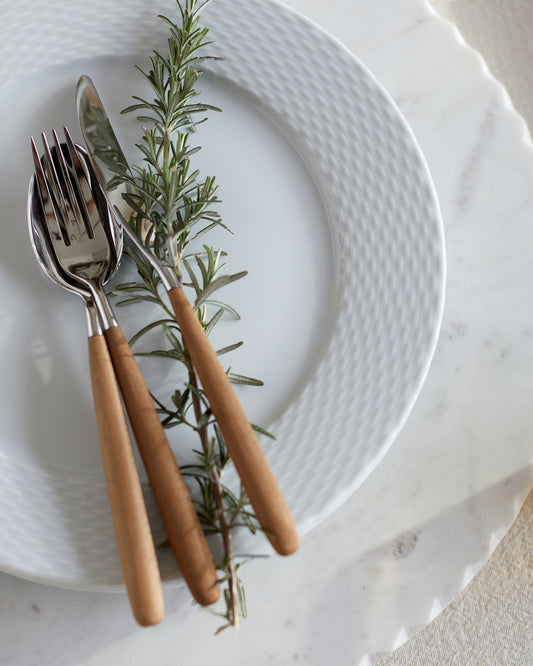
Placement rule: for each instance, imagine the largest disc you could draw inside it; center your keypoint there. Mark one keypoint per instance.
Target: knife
(248, 457)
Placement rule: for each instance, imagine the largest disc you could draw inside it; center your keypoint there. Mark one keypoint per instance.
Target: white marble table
(419, 528)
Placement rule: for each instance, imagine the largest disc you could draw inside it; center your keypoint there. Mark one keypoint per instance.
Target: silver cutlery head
(86, 242)
(45, 257)
(75, 238)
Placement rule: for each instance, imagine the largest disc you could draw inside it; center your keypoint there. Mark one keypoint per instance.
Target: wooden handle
(256, 475)
(181, 522)
(132, 529)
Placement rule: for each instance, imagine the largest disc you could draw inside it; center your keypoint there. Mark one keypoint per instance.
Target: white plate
(335, 216)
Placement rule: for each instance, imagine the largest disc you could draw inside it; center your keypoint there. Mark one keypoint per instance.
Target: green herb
(174, 207)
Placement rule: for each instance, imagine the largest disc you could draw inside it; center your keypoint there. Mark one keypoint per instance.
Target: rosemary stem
(176, 206)
(221, 517)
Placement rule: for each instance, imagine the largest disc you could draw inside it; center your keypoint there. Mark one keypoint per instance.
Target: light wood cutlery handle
(256, 475)
(132, 529)
(181, 522)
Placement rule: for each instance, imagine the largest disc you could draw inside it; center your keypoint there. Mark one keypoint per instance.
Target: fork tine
(39, 174)
(54, 188)
(71, 199)
(45, 196)
(77, 166)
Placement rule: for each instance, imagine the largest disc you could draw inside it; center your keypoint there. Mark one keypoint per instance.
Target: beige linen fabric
(491, 622)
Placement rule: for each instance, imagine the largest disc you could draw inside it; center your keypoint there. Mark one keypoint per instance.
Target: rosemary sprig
(172, 208)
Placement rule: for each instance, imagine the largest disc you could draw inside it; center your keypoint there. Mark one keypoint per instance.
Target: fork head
(86, 243)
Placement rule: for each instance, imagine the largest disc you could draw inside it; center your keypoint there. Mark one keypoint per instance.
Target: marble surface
(419, 528)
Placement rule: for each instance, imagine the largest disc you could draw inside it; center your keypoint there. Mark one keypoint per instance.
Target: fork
(83, 239)
(132, 528)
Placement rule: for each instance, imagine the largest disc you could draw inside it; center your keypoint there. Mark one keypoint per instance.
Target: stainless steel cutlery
(83, 244)
(76, 221)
